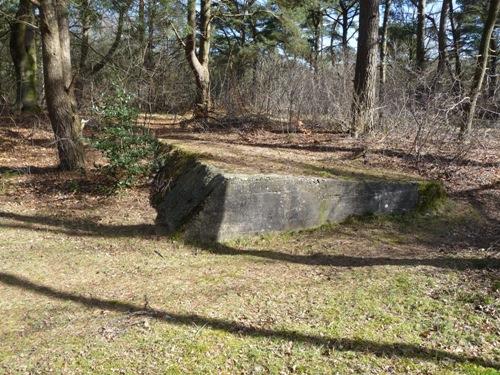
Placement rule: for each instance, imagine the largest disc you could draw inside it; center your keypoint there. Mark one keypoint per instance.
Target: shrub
(129, 148)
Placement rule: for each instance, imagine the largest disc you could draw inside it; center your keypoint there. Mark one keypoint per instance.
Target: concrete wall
(212, 205)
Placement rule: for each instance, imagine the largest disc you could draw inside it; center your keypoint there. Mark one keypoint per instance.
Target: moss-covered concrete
(211, 204)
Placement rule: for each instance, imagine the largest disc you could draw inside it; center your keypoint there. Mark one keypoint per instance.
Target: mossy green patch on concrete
(432, 195)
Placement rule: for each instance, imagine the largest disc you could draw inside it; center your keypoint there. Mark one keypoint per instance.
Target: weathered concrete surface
(212, 205)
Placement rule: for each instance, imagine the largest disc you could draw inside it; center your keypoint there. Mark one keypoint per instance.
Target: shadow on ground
(28, 169)
(50, 181)
(330, 343)
(322, 148)
(87, 227)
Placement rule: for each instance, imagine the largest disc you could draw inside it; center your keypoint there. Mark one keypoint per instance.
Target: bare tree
(442, 62)
(482, 61)
(198, 61)
(85, 70)
(23, 52)
(365, 76)
(58, 80)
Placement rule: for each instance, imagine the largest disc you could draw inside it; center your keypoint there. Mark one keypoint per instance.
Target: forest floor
(88, 285)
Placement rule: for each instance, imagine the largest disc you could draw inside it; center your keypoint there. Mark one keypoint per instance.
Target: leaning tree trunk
(365, 77)
(85, 71)
(482, 61)
(23, 51)
(58, 80)
(421, 35)
(199, 62)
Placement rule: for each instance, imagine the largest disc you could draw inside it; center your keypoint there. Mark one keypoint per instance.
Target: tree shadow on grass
(88, 228)
(394, 153)
(84, 227)
(401, 350)
(320, 259)
(28, 169)
(329, 148)
(474, 197)
(52, 181)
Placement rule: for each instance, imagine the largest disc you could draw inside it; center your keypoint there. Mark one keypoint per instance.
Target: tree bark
(23, 52)
(345, 30)
(141, 27)
(84, 15)
(346, 23)
(456, 49)
(316, 20)
(148, 56)
(383, 46)
(482, 61)
(420, 36)
(493, 66)
(199, 62)
(58, 78)
(442, 40)
(365, 76)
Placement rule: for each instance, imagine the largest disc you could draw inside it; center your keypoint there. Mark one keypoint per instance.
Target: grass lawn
(97, 292)
(89, 286)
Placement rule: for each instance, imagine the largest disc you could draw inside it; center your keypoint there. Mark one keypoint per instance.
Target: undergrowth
(131, 149)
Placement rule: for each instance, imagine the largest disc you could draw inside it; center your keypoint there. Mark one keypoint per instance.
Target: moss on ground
(245, 159)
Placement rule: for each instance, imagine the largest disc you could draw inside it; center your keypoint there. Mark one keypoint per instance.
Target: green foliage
(129, 148)
(431, 195)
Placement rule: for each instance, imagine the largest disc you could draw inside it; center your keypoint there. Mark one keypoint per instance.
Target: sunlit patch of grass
(317, 301)
(6, 178)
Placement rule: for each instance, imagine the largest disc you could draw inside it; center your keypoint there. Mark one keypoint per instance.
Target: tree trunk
(58, 83)
(493, 66)
(456, 49)
(199, 62)
(149, 58)
(141, 27)
(116, 42)
(316, 18)
(84, 71)
(84, 49)
(23, 51)
(365, 76)
(482, 61)
(333, 34)
(421, 35)
(345, 30)
(442, 40)
(383, 46)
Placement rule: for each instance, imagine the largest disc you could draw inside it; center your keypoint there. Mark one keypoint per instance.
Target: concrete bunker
(210, 204)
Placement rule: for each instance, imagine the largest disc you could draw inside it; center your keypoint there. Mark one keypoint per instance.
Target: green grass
(371, 296)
